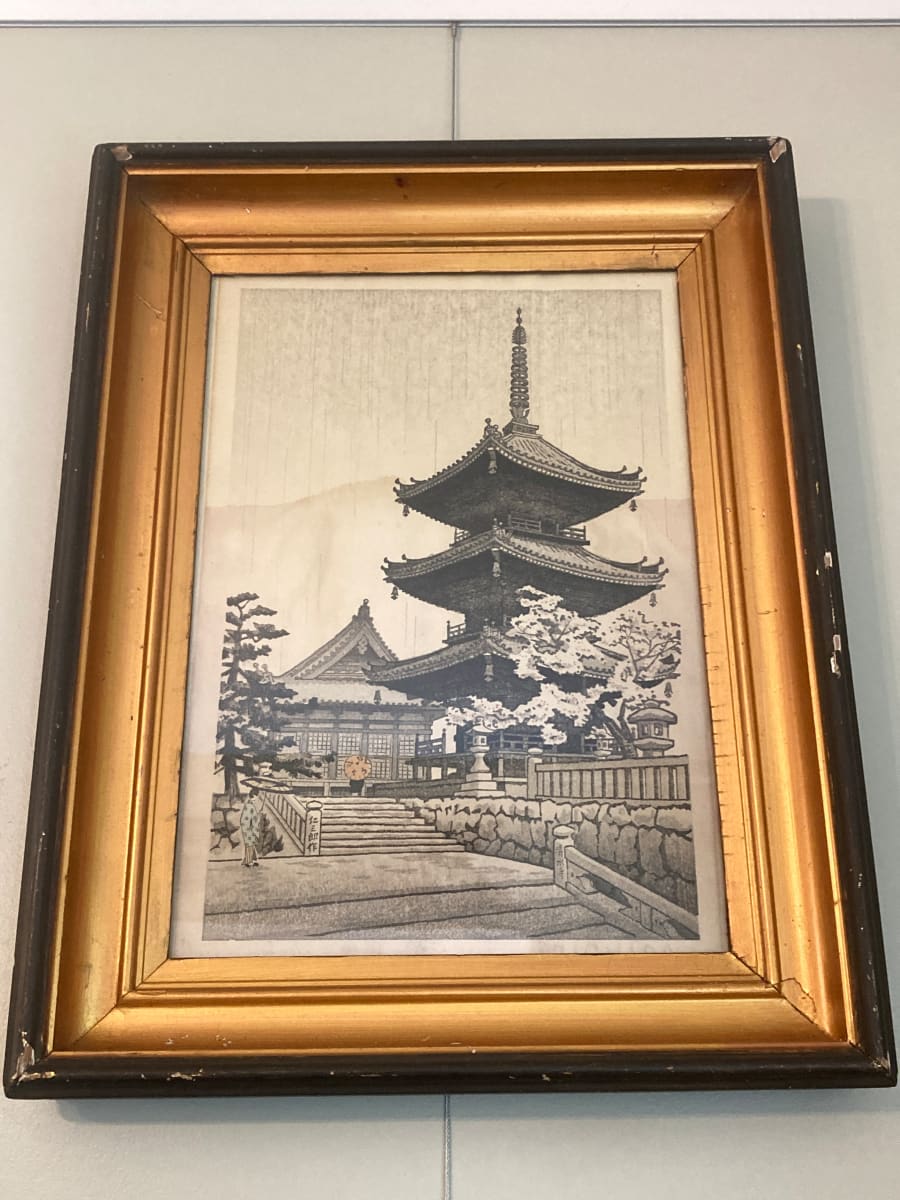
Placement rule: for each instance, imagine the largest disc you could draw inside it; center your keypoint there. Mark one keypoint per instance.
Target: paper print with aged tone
(447, 689)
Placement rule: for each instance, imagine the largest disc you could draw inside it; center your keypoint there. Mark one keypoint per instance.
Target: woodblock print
(513, 715)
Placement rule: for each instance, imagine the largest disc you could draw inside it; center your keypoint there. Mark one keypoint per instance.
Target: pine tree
(254, 712)
(254, 708)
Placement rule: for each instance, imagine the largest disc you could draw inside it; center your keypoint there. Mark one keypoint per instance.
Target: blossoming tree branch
(590, 672)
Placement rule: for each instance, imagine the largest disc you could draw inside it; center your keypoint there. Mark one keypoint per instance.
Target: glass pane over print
(447, 688)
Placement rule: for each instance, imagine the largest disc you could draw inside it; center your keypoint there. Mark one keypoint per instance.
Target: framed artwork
(460, 696)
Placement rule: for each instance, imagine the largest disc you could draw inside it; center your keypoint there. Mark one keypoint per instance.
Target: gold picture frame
(799, 998)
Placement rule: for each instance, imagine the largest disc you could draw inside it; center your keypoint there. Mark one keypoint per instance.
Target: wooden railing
(625, 904)
(626, 779)
(516, 523)
(301, 818)
(534, 525)
(426, 746)
(503, 762)
(574, 533)
(416, 789)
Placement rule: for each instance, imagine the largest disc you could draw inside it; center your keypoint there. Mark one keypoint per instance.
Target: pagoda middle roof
(522, 445)
(572, 558)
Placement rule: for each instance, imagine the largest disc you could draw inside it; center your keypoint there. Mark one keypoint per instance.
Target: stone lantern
(651, 722)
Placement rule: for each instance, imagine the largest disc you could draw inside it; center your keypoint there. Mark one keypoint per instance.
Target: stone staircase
(378, 825)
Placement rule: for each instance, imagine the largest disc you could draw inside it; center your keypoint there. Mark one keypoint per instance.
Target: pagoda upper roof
(545, 467)
(567, 557)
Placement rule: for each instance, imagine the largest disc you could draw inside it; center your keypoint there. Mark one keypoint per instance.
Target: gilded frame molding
(799, 999)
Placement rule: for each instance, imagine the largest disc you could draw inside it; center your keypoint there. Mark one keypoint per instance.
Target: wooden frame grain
(800, 998)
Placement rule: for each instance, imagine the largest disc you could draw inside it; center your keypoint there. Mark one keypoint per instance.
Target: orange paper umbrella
(357, 767)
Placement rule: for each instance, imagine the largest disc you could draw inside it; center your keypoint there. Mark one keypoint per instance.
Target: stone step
(385, 835)
(369, 815)
(358, 822)
(418, 831)
(364, 838)
(385, 822)
(359, 825)
(445, 847)
(330, 802)
(394, 831)
(380, 814)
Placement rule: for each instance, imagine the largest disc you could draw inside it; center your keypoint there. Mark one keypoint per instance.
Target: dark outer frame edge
(40, 873)
(859, 891)
(258, 1075)
(464, 152)
(30, 1072)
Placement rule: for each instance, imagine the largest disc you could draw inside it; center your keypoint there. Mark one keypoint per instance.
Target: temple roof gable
(347, 655)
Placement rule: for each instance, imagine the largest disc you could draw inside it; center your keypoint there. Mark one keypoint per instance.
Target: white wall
(835, 94)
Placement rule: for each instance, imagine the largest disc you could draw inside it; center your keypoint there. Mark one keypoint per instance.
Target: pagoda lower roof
(458, 669)
(506, 466)
(456, 652)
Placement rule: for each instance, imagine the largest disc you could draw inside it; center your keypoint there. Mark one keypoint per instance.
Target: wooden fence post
(532, 760)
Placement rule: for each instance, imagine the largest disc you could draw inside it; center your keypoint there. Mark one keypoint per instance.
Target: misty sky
(326, 390)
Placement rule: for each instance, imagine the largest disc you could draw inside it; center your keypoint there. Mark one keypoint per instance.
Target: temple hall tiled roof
(335, 657)
(345, 691)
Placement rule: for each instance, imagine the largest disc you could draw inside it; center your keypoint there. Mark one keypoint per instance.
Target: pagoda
(518, 507)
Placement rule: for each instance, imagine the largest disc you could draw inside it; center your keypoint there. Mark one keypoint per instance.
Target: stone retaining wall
(650, 843)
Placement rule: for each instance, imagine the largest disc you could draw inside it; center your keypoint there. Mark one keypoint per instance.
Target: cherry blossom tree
(591, 672)
(650, 656)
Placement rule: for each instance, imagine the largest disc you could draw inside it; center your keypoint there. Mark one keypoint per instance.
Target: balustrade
(536, 527)
(622, 901)
(663, 779)
(301, 818)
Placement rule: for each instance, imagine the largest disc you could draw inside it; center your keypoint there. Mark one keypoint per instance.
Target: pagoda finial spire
(518, 375)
